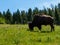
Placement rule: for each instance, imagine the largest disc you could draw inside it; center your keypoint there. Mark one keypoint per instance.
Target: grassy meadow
(21, 35)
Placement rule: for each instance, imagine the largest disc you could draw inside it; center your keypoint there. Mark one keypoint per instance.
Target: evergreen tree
(59, 11)
(1, 15)
(56, 15)
(2, 20)
(16, 17)
(8, 17)
(50, 12)
(59, 7)
(24, 17)
(40, 12)
(35, 11)
(45, 11)
(4, 14)
(29, 16)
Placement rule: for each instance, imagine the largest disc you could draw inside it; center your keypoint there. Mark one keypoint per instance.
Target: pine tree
(56, 15)
(16, 17)
(29, 16)
(4, 14)
(2, 20)
(24, 17)
(59, 11)
(8, 17)
(35, 11)
(50, 12)
(45, 11)
(1, 15)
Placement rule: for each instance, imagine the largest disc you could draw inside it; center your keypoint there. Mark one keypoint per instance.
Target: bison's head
(30, 26)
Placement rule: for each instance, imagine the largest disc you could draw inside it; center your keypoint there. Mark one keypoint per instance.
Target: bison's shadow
(45, 31)
(38, 31)
(32, 30)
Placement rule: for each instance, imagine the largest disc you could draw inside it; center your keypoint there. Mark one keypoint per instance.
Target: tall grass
(21, 35)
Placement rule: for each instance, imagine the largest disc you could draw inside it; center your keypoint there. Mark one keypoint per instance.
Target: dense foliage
(22, 17)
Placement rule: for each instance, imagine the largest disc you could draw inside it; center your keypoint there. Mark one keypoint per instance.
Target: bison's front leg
(39, 27)
(31, 26)
(52, 28)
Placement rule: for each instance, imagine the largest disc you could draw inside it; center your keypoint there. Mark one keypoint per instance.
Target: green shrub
(2, 20)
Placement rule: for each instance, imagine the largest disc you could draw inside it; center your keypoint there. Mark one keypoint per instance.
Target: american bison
(39, 20)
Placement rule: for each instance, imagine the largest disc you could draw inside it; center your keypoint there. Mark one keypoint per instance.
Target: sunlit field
(21, 35)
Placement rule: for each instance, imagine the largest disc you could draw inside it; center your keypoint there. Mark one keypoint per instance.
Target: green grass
(20, 35)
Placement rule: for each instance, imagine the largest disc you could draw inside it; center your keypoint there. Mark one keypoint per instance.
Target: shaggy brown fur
(42, 20)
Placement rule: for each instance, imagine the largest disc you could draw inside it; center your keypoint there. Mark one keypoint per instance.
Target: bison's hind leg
(52, 28)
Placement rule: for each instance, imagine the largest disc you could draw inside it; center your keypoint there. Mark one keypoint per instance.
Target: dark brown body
(42, 20)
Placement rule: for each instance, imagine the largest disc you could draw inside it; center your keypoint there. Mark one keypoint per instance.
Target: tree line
(22, 17)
